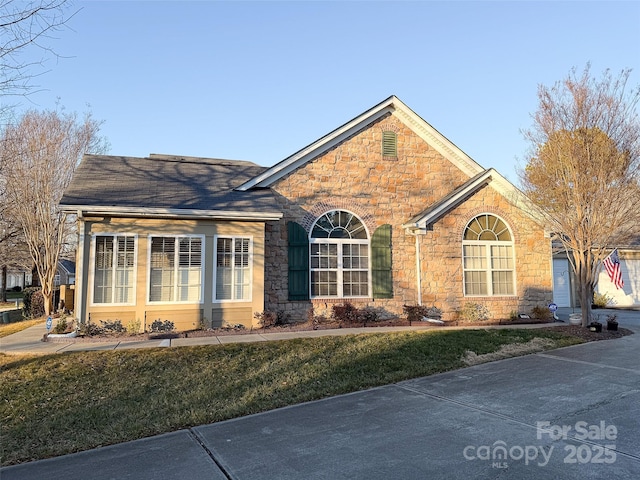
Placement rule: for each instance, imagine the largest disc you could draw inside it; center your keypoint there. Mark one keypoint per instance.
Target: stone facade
(354, 176)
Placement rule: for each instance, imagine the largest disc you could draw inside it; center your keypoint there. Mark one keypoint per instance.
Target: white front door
(561, 282)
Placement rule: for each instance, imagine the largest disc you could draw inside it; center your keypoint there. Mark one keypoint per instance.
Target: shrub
(268, 319)
(158, 326)
(474, 312)
(368, 315)
(415, 313)
(61, 326)
(202, 324)
(17, 289)
(32, 303)
(133, 326)
(346, 313)
(315, 320)
(114, 326)
(89, 329)
(232, 326)
(601, 300)
(541, 313)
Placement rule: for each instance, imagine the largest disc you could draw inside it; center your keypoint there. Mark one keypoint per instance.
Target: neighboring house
(66, 273)
(565, 292)
(18, 278)
(383, 212)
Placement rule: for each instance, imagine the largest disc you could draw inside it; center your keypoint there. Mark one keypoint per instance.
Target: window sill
(493, 297)
(332, 300)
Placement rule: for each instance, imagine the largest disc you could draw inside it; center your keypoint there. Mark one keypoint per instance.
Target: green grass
(58, 404)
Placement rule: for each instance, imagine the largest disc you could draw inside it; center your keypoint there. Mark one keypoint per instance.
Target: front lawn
(57, 404)
(15, 327)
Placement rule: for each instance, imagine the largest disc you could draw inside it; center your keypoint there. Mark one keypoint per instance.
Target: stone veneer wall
(356, 177)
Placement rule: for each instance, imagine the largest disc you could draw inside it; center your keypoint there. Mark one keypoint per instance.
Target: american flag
(612, 266)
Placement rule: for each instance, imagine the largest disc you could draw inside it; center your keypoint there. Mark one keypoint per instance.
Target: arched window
(487, 257)
(339, 256)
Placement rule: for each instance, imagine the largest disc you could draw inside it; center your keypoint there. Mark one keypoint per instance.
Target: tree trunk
(3, 294)
(585, 285)
(586, 297)
(48, 300)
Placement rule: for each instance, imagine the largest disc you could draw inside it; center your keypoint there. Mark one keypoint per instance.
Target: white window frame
(176, 266)
(233, 238)
(92, 263)
(340, 243)
(488, 270)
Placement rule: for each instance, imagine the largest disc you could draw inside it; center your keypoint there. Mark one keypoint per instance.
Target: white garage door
(629, 294)
(561, 283)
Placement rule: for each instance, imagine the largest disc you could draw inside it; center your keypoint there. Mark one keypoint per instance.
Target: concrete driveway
(570, 413)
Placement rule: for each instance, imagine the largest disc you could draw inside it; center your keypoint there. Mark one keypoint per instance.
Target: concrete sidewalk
(29, 341)
(569, 413)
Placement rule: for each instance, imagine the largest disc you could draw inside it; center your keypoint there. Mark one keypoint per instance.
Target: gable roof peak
(391, 105)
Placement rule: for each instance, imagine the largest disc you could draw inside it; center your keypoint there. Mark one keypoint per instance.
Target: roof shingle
(166, 182)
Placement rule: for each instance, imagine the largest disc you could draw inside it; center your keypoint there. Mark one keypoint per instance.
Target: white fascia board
(439, 142)
(421, 224)
(516, 197)
(108, 211)
(288, 165)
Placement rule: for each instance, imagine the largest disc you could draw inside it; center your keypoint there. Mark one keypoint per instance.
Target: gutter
(174, 213)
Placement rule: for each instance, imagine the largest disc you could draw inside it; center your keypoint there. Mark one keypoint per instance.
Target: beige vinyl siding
(195, 302)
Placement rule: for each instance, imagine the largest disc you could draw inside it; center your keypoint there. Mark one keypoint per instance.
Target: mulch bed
(573, 330)
(589, 336)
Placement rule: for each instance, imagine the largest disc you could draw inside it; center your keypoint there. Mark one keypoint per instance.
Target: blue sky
(260, 80)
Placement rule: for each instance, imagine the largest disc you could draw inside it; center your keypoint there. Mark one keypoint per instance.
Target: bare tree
(584, 169)
(41, 153)
(26, 32)
(26, 27)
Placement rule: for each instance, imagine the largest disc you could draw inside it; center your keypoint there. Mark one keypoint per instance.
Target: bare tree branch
(26, 27)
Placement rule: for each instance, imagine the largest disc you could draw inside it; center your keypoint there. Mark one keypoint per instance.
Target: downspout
(418, 269)
(79, 302)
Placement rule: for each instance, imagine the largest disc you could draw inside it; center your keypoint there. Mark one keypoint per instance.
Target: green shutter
(298, 262)
(382, 277)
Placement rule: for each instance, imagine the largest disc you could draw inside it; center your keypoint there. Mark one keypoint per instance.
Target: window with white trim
(233, 259)
(175, 269)
(339, 260)
(487, 257)
(114, 269)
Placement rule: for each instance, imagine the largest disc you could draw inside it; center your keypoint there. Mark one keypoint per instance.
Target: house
(384, 211)
(565, 292)
(66, 273)
(18, 278)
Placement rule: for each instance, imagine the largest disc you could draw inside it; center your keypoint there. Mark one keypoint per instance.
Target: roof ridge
(190, 159)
